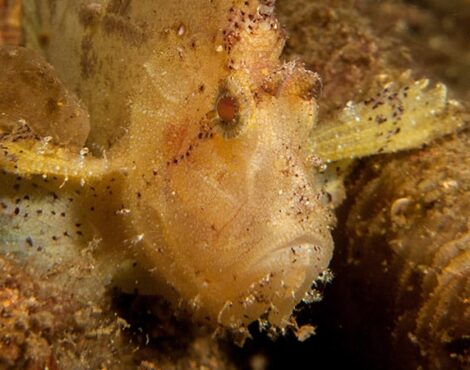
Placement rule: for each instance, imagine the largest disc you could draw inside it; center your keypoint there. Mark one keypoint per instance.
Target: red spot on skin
(227, 108)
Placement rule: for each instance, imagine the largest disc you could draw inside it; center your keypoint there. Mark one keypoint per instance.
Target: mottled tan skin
(230, 217)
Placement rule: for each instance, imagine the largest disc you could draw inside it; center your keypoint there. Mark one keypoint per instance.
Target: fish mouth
(297, 251)
(282, 277)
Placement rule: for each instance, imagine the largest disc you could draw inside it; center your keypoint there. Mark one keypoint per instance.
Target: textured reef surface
(248, 148)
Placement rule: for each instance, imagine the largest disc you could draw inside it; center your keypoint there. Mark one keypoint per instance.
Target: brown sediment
(44, 325)
(435, 34)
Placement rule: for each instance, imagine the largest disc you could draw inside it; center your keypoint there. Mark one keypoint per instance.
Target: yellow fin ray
(395, 119)
(32, 156)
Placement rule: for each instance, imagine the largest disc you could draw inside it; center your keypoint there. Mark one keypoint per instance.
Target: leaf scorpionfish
(172, 137)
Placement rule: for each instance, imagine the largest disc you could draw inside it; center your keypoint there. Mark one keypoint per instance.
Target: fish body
(201, 152)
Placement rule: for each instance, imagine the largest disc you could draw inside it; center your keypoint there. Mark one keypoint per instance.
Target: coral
(408, 248)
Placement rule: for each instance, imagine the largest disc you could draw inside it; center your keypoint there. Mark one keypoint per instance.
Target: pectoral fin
(30, 155)
(398, 118)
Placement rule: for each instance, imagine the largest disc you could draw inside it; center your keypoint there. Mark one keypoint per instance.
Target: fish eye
(227, 108)
(228, 114)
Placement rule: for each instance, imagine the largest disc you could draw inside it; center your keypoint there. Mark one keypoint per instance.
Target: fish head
(225, 193)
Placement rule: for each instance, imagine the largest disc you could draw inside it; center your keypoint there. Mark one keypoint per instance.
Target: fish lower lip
(277, 281)
(285, 274)
(293, 254)
(300, 242)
